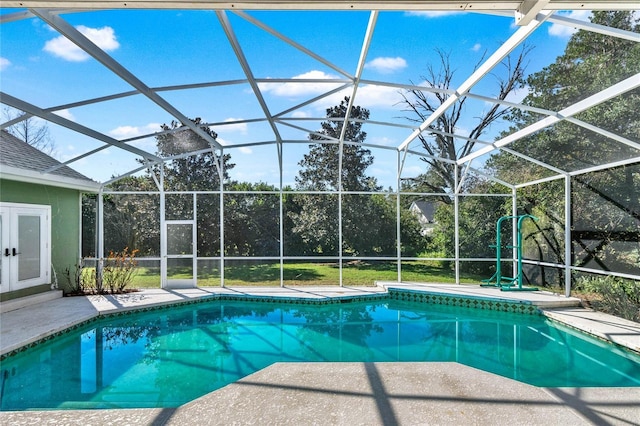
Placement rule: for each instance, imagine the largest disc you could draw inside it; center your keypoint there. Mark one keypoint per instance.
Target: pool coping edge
(572, 316)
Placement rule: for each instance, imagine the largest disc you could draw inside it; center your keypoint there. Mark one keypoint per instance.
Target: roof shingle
(19, 154)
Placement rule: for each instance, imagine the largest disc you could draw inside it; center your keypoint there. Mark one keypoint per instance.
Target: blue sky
(165, 48)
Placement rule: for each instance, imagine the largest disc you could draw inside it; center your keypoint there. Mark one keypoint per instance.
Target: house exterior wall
(65, 228)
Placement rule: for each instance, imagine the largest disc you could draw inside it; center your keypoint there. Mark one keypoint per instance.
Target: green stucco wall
(65, 223)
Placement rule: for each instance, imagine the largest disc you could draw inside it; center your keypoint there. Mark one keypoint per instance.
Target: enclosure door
(180, 261)
(25, 234)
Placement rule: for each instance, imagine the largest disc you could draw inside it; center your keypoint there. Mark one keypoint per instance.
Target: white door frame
(12, 254)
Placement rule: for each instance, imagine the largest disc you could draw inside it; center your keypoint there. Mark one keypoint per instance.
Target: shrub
(118, 271)
(74, 280)
(615, 296)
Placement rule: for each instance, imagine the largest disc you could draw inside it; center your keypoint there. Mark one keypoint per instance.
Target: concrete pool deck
(347, 393)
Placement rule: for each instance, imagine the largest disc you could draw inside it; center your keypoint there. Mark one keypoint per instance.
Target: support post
(567, 236)
(456, 206)
(100, 235)
(398, 228)
(221, 189)
(279, 145)
(514, 230)
(163, 231)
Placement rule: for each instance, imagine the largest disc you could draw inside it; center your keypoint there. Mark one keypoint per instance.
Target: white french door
(25, 233)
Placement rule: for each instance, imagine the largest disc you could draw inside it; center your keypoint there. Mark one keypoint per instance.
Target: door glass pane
(179, 239)
(28, 247)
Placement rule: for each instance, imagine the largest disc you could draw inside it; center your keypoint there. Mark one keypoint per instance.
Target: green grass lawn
(319, 274)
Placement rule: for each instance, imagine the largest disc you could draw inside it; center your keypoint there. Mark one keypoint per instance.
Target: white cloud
(384, 140)
(4, 63)
(379, 96)
(292, 89)
(386, 65)
(245, 150)
(65, 113)
(61, 47)
(232, 127)
(368, 96)
(300, 114)
(476, 47)
(565, 31)
(432, 13)
(125, 132)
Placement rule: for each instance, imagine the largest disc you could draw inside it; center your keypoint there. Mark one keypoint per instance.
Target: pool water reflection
(167, 357)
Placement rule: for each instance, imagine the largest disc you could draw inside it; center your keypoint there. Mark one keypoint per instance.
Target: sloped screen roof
(258, 74)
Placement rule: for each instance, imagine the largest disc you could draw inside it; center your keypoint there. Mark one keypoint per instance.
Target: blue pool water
(167, 357)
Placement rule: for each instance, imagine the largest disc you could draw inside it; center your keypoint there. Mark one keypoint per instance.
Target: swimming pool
(167, 357)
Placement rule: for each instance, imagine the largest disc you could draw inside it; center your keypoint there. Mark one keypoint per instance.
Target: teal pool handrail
(497, 276)
(497, 280)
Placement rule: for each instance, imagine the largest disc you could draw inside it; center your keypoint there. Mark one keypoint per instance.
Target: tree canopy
(202, 171)
(314, 217)
(319, 167)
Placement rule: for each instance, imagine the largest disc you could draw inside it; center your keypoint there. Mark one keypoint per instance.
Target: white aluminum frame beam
(242, 59)
(578, 107)
(373, 18)
(445, 5)
(528, 10)
(292, 43)
(507, 47)
(80, 40)
(572, 120)
(585, 25)
(61, 121)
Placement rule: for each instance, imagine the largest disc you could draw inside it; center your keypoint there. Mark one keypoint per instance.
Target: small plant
(118, 271)
(80, 279)
(74, 279)
(614, 295)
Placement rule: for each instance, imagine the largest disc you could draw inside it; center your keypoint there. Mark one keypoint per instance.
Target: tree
(252, 220)
(605, 204)
(314, 217)
(440, 176)
(130, 220)
(320, 166)
(317, 219)
(31, 130)
(197, 172)
(133, 220)
(202, 171)
(591, 62)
